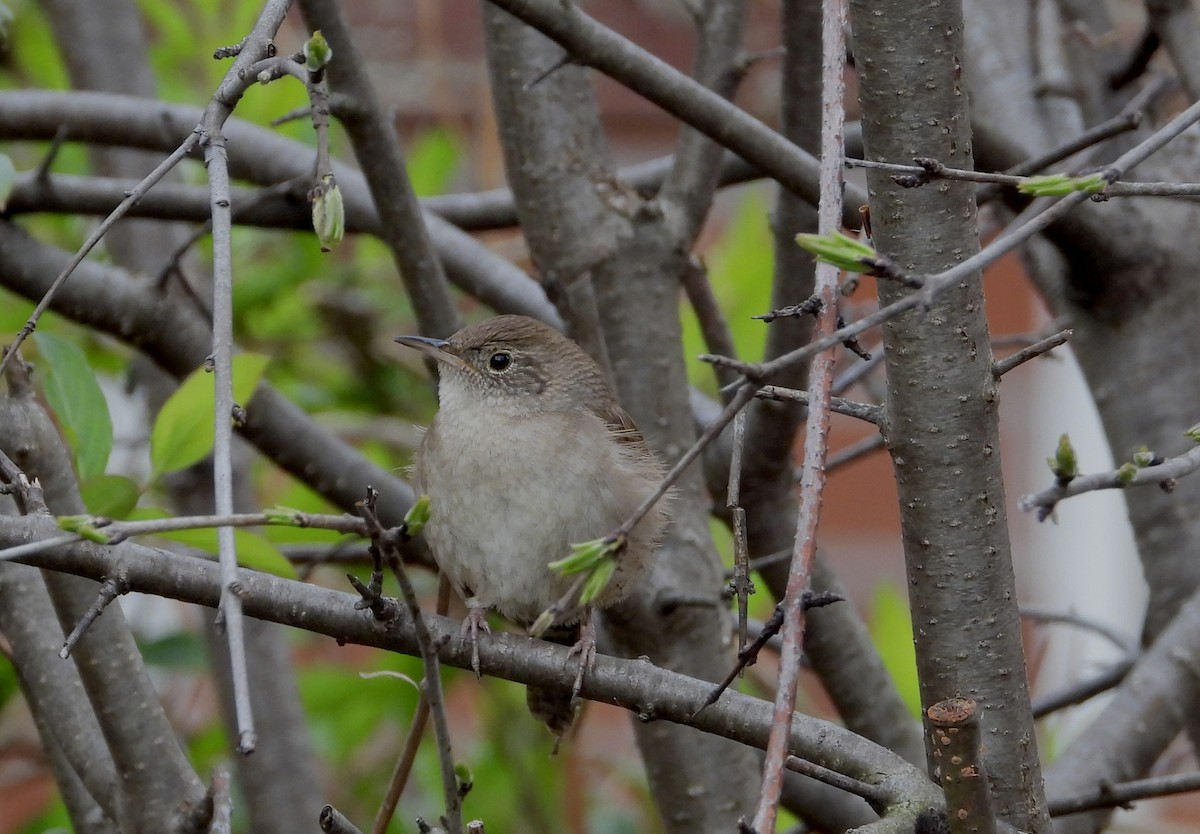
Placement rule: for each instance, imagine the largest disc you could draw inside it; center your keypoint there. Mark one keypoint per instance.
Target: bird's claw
(585, 647)
(475, 622)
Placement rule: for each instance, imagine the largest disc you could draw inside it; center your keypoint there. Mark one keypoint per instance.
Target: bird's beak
(438, 349)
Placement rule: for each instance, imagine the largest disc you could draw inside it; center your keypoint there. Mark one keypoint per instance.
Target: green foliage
(417, 516)
(253, 551)
(14, 312)
(317, 53)
(891, 632)
(345, 710)
(433, 160)
(54, 820)
(838, 249)
(1064, 465)
(179, 651)
(73, 393)
(183, 430)
(8, 680)
(1058, 185)
(112, 496)
(35, 60)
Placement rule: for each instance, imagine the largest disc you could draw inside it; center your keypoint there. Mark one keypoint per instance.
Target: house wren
(529, 454)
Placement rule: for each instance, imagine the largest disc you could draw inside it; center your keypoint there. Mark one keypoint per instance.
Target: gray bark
(941, 420)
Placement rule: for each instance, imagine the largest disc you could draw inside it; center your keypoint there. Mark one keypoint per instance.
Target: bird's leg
(475, 622)
(585, 647)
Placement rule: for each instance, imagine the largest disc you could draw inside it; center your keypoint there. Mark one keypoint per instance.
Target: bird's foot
(585, 647)
(475, 622)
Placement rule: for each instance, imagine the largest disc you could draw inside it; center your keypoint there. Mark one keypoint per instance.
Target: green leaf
(597, 580)
(432, 162)
(83, 526)
(112, 496)
(182, 650)
(417, 516)
(253, 551)
(891, 632)
(73, 393)
(838, 249)
(1058, 185)
(183, 431)
(8, 175)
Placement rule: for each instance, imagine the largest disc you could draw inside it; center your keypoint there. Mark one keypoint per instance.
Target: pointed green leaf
(183, 431)
(838, 249)
(417, 516)
(73, 393)
(253, 551)
(1058, 185)
(112, 496)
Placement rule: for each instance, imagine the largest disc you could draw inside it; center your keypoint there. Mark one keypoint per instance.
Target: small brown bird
(529, 454)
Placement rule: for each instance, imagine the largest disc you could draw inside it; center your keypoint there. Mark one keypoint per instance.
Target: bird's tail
(555, 707)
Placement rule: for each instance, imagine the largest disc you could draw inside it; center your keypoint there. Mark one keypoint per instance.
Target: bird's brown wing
(622, 426)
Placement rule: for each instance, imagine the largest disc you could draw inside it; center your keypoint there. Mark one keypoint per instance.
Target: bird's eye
(499, 361)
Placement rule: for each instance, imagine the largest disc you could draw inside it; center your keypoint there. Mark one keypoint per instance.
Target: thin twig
(431, 683)
(873, 795)
(1082, 691)
(816, 446)
(597, 46)
(713, 326)
(851, 453)
(412, 742)
(117, 531)
(741, 585)
(711, 432)
(42, 172)
(929, 169)
(1003, 366)
(1122, 794)
(257, 46)
(240, 207)
(110, 589)
(859, 411)
(1034, 220)
(1163, 473)
(748, 655)
(160, 171)
(857, 371)
(1071, 618)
